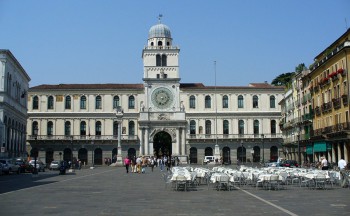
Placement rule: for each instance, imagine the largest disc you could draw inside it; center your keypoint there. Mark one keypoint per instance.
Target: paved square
(110, 191)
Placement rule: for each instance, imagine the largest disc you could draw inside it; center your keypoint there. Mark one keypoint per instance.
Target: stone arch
(162, 144)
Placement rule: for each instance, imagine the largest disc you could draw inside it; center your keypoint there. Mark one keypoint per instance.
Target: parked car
(9, 166)
(22, 165)
(272, 164)
(289, 163)
(1, 168)
(55, 165)
(208, 159)
(40, 166)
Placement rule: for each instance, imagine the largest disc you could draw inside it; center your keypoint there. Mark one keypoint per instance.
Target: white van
(208, 159)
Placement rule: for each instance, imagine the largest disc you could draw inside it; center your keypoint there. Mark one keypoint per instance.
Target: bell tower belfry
(162, 111)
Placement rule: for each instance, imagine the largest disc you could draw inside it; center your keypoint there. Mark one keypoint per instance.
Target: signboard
(2, 149)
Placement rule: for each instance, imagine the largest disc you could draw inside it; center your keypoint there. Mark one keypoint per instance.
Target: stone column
(177, 146)
(142, 139)
(346, 156)
(119, 116)
(146, 141)
(339, 150)
(333, 151)
(183, 143)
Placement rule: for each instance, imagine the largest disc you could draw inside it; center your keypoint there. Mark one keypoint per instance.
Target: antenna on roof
(159, 18)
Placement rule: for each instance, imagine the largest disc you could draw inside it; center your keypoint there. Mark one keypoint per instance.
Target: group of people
(139, 164)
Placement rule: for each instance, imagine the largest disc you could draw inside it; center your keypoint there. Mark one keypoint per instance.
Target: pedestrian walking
(127, 163)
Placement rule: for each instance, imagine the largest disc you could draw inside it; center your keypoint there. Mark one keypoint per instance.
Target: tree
(301, 67)
(283, 79)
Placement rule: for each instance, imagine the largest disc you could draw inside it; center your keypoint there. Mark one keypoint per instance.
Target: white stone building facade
(160, 116)
(14, 84)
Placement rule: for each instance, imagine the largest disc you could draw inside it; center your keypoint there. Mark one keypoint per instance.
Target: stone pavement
(110, 191)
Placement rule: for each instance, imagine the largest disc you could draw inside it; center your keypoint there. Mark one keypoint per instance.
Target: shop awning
(309, 149)
(322, 147)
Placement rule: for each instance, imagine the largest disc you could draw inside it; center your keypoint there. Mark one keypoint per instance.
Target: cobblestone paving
(110, 191)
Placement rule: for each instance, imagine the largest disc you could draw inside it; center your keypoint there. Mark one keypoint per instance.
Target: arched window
(158, 60)
(272, 102)
(161, 60)
(160, 43)
(241, 127)
(35, 102)
(192, 102)
(49, 128)
(35, 128)
(225, 127)
(256, 128)
(207, 127)
(273, 127)
(98, 102)
(82, 102)
(116, 102)
(164, 60)
(240, 101)
(115, 128)
(131, 102)
(98, 128)
(83, 128)
(67, 128)
(192, 127)
(131, 128)
(152, 43)
(255, 101)
(68, 102)
(207, 101)
(50, 102)
(225, 101)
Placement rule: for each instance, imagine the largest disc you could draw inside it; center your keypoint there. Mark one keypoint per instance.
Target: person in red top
(127, 164)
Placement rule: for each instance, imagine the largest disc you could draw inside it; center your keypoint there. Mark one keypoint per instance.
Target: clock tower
(161, 113)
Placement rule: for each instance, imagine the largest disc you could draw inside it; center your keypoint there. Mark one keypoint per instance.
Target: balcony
(85, 138)
(231, 136)
(317, 111)
(307, 117)
(333, 131)
(327, 107)
(336, 103)
(345, 99)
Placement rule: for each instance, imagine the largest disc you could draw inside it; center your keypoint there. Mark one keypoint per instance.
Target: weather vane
(160, 17)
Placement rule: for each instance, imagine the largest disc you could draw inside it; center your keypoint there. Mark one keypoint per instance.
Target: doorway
(162, 144)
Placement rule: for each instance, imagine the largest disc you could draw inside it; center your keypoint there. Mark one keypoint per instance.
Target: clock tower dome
(162, 121)
(161, 70)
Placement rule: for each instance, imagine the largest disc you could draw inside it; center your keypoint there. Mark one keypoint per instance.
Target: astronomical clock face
(162, 98)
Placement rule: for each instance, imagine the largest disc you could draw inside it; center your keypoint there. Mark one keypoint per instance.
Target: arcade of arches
(241, 154)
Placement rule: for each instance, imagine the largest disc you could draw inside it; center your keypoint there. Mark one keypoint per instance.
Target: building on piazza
(160, 116)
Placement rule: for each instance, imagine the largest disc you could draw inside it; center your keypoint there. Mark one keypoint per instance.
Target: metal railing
(233, 136)
(81, 137)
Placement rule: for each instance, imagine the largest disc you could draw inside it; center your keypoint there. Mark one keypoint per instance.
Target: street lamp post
(263, 148)
(72, 159)
(92, 154)
(299, 157)
(35, 171)
(241, 151)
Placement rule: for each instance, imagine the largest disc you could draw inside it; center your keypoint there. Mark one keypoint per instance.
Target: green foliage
(283, 79)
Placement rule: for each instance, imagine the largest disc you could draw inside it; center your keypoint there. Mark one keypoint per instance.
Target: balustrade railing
(82, 137)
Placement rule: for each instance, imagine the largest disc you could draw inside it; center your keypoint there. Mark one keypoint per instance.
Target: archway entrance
(162, 144)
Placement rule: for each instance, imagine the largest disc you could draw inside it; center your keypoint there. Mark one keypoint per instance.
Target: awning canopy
(309, 150)
(322, 146)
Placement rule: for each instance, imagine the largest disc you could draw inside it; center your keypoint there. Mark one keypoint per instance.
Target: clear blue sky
(101, 41)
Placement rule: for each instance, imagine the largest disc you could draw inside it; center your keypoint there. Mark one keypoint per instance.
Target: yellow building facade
(330, 133)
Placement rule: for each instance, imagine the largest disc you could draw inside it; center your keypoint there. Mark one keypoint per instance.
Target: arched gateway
(162, 144)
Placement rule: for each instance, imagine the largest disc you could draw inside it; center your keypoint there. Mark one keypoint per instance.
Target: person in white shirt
(324, 163)
(341, 164)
